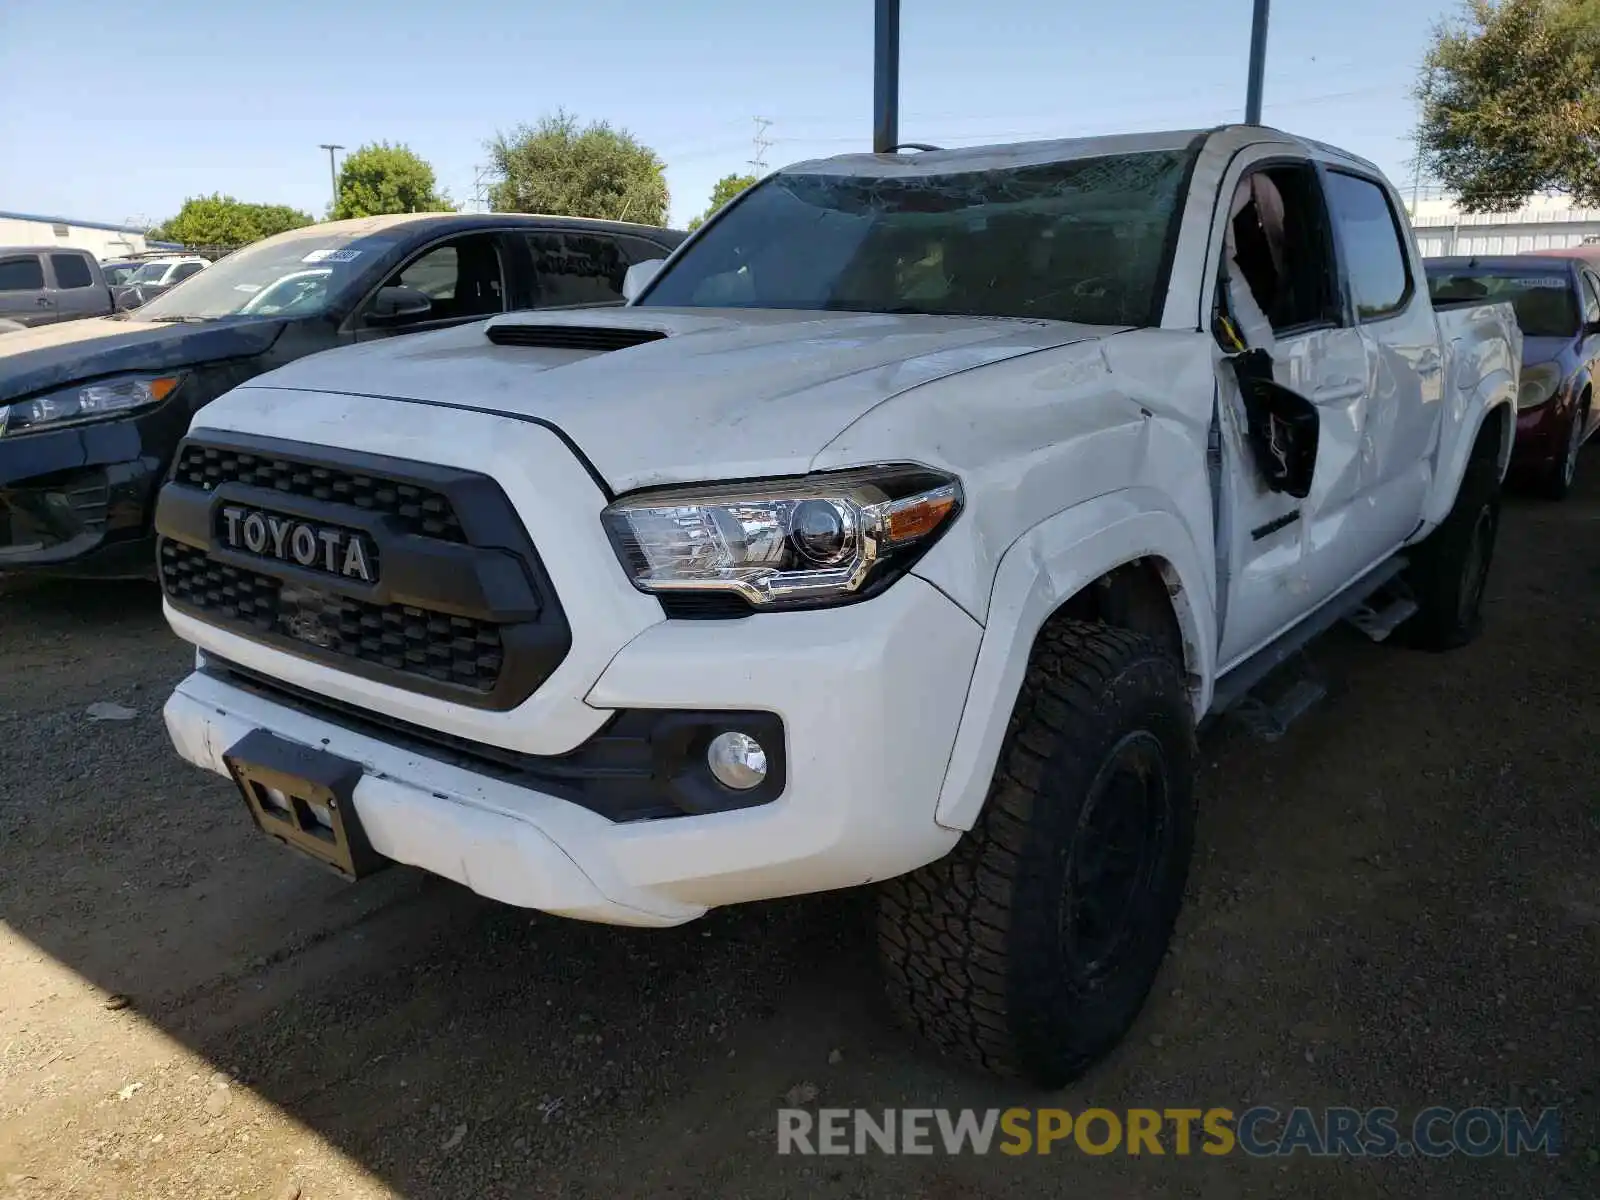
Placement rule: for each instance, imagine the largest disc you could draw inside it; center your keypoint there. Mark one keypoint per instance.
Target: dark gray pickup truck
(40, 285)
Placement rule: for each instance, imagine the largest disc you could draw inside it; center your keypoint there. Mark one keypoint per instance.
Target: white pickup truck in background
(900, 531)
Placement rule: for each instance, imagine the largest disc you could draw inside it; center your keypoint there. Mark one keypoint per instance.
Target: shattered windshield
(1081, 240)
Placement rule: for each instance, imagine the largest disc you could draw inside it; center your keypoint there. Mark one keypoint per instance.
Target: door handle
(42, 302)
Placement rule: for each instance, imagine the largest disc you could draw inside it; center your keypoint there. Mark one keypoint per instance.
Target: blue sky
(118, 112)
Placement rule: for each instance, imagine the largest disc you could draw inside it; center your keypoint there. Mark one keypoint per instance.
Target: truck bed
(1478, 339)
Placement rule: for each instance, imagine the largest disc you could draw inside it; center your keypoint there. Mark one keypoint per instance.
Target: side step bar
(1242, 679)
(1379, 623)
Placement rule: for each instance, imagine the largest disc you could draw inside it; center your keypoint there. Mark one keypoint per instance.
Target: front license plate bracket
(304, 798)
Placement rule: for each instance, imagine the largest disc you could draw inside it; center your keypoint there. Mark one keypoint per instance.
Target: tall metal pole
(333, 174)
(1258, 64)
(886, 77)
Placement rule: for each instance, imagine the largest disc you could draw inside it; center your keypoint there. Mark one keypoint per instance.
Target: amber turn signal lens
(161, 388)
(918, 516)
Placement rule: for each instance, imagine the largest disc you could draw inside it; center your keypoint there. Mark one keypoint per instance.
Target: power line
(1275, 76)
(1216, 117)
(702, 151)
(1146, 103)
(1150, 109)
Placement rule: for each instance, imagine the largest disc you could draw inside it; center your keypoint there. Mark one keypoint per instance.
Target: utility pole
(1258, 64)
(762, 141)
(886, 76)
(333, 174)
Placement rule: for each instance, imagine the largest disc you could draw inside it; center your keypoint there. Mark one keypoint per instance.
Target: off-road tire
(1557, 485)
(977, 948)
(1450, 567)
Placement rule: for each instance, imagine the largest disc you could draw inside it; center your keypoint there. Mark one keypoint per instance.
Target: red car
(1557, 302)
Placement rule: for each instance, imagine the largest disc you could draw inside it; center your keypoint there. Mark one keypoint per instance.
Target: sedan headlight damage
(1539, 383)
(86, 402)
(804, 542)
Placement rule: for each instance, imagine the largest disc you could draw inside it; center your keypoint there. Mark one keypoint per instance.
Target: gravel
(1396, 904)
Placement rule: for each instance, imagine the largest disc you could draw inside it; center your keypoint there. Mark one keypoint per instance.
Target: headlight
(1539, 383)
(86, 402)
(805, 542)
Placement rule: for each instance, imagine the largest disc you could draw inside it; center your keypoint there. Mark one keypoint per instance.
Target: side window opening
(24, 274)
(1277, 276)
(1591, 299)
(1374, 246)
(71, 272)
(640, 250)
(434, 274)
(1279, 240)
(463, 278)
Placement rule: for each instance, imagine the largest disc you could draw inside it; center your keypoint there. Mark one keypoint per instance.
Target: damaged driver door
(1290, 415)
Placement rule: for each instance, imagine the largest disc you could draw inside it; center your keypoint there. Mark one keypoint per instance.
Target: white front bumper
(870, 696)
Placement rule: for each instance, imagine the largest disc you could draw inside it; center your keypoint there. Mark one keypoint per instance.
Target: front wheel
(1030, 948)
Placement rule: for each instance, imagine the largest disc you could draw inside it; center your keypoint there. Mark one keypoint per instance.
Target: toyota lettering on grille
(326, 548)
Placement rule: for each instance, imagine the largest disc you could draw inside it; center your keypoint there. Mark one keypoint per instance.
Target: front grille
(458, 606)
(571, 337)
(459, 651)
(421, 510)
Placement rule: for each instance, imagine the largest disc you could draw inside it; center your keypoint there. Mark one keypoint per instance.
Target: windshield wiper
(888, 310)
(177, 320)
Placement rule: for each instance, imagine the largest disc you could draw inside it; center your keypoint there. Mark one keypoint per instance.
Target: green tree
(564, 169)
(726, 189)
(223, 223)
(1510, 94)
(380, 178)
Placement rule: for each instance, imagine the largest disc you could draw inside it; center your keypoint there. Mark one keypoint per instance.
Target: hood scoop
(570, 337)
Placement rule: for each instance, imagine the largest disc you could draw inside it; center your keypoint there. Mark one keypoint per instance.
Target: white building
(102, 240)
(1543, 223)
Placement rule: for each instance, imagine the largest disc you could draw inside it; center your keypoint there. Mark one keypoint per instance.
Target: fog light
(737, 760)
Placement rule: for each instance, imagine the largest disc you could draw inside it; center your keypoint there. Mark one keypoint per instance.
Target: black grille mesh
(424, 512)
(454, 650)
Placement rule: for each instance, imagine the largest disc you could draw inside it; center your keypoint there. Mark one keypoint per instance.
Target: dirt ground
(1397, 904)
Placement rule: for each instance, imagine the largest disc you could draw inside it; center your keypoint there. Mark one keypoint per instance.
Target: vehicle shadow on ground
(79, 604)
(1395, 904)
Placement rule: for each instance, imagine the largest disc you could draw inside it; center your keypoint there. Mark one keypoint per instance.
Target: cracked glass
(1079, 240)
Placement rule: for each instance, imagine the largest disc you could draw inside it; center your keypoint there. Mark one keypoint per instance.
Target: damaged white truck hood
(713, 393)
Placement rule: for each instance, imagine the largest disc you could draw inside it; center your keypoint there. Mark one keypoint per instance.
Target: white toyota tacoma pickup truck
(900, 530)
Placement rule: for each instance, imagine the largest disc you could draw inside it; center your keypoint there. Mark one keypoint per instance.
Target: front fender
(1043, 569)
